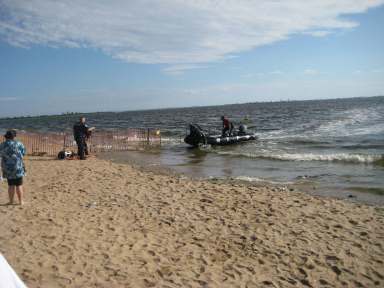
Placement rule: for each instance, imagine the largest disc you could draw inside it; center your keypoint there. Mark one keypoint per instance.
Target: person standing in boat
(81, 133)
(227, 126)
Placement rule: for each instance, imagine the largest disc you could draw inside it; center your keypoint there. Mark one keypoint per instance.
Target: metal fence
(50, 144)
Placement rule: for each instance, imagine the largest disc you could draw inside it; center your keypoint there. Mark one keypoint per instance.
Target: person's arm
(23, 151)
(75, 131)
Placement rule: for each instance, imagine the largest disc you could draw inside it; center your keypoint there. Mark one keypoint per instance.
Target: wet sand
(95, 223)
(199, 164)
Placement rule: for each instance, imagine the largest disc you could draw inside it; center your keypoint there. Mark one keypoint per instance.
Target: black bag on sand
(65, 155)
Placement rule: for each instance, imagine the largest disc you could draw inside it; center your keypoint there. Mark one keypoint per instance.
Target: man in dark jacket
(80, 133)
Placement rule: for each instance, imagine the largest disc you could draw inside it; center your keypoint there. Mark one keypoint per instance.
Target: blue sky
(125, 55)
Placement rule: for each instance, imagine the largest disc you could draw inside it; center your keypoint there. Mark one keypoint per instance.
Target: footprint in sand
(336, 270)
(148, 283)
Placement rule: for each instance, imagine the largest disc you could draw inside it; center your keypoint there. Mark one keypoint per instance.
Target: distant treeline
(78, 114)
(62, 115)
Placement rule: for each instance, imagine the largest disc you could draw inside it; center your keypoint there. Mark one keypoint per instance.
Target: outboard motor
(196, 136)
(242, 129)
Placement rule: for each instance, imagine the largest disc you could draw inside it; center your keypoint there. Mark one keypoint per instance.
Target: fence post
(148, 136)
(90, 149)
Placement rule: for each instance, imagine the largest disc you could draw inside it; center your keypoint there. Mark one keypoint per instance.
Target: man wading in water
(81, 132)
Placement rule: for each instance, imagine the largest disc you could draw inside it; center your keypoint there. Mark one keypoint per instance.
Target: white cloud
(256, 75)
(319, 33)
(248, 75)
(171, 31)
(7, 99)
(179, 69)
(311, 71)
(373, 71)
(276, 72)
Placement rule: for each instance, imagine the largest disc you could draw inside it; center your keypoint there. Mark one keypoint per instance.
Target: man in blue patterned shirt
(12, 153)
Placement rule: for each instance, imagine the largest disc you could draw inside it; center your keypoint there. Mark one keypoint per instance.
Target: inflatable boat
(197, 137)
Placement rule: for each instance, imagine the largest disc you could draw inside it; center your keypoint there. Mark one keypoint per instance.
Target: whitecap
(335, 157)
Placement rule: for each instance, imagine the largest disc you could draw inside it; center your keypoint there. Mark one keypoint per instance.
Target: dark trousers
(86, 148)
(82, 148)
(227, 131)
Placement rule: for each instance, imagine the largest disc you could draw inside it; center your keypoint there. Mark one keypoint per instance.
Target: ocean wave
(363, 146)
(262, 180)
(308, 142)
(172, 140)
(337, 157)
(354, 122)
(250, 179)
(253, 179)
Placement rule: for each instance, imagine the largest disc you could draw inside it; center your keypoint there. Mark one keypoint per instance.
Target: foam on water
(337, 157)
(172, 141)
(253, 180)
(258, 179)
(353, 122)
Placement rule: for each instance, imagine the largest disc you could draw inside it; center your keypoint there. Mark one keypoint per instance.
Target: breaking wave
(262, 180)
(337, 157)
(253, 180)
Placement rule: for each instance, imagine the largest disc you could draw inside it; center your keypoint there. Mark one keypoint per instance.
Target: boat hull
(197, 137)
(212, 140)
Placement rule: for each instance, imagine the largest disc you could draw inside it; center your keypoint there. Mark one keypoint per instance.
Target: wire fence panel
(50, 144)
(42, 144)
(124, 139)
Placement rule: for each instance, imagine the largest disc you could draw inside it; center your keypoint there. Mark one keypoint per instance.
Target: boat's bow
(196, 136)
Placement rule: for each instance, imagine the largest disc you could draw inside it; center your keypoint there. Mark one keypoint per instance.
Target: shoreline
(95, 223)
(136, 160)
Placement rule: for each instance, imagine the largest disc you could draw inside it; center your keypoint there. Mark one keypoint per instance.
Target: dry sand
(98, 224)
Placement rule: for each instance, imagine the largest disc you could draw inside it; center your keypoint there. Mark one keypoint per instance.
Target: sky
(84, 56)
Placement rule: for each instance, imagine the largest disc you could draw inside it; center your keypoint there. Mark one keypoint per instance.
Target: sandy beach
(95, 223)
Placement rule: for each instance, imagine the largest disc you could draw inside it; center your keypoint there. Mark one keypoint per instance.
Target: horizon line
(185, 107)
